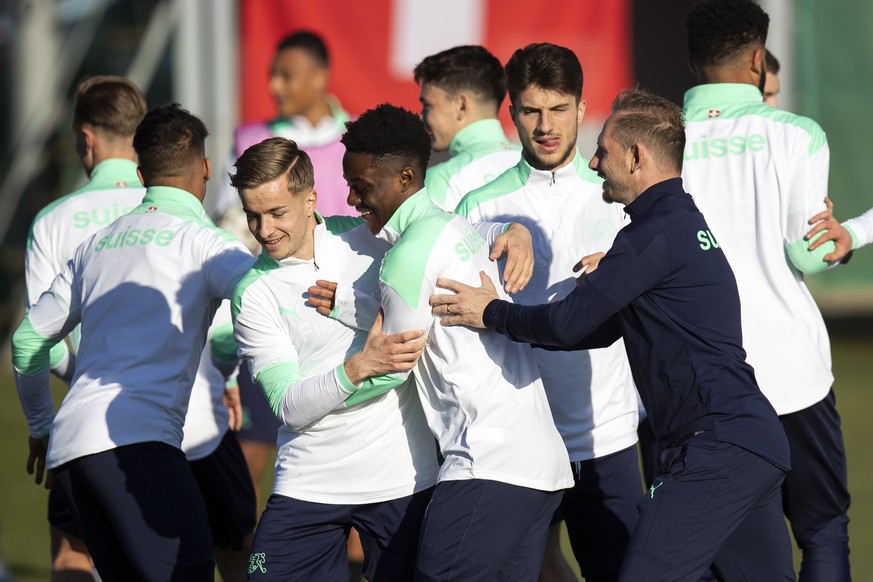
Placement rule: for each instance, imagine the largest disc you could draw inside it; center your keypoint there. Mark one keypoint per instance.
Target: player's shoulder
(252, 284)
(506, 183)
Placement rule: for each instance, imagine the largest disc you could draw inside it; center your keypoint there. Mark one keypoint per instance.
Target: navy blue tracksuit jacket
(666, 287)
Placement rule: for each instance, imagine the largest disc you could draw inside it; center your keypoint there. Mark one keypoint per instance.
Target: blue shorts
(259, 424)
(484, 530)
(140, 513)
(306, 541)
(224, 481)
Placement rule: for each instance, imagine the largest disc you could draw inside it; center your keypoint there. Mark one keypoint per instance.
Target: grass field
(24, 534)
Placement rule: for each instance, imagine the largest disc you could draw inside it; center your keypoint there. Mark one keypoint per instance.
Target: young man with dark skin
(717, 497)
(758, 174)
(505, 464)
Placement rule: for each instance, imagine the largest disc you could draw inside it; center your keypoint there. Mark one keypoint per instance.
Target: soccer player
(354, 449)
(591, 393)
(505, 464)
(772, 86)
(144, 289)
(758, 174)
(461, 92)
(106, 112)
(717, 497)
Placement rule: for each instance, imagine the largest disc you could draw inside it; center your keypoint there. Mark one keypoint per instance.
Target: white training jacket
(481, 392)
(339, 443)
(113, 190)
(591, 392)
(145, 289)
(758, 174)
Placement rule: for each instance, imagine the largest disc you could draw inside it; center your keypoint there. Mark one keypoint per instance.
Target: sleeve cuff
(343, 379)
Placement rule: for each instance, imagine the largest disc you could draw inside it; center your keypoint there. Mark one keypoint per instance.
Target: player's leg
(815, 494)
(555, 566)
(224, 482)
(473, 527)
(71, 561)
(759, 549)
(706, 491)
(525, 560)
(601, 512)
(300, 541)
(389, 535)
(150, 500)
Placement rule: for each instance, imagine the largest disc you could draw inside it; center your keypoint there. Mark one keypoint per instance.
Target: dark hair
(309, 42)
(545, 65)
(643, 117)
(718, 30)
(168, 140)
(470, 68)
(772, 62)
(270, 159)
(389, 132)
(109, 103)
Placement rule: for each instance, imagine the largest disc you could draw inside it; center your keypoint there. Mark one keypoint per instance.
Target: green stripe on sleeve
(807, 261)
(31, 352)
(222, 345)
(374, 387)
(275, 379)
(58, 354)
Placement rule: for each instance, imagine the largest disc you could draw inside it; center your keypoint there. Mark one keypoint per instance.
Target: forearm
(861, 229)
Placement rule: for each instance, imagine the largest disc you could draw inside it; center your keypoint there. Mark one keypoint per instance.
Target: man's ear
(207, 169)
(141, 176)
(462, 105)
(580, 112)
(311, 201)
(636, 155)
(407, 177)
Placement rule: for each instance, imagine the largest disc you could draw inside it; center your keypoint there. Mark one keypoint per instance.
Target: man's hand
(36, 460)
(587, 265)
(322, 296)
(234, 408)
(384, 354)
(467, 305)
(517, 244)
(833, 230)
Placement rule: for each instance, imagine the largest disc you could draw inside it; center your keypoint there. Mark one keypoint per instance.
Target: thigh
(224, 483)
(389, 534)
(815, 492)
(147, 494)
(472, 527)
(759, 550)
(601, 512)
(690, 510)
(300, 541)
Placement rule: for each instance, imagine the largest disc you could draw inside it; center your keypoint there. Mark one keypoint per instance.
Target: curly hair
(719, 29)
(470, 68)
(545, 65)
(389, 132)
(168, 140)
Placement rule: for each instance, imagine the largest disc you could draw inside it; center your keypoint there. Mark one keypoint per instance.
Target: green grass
(24, 532)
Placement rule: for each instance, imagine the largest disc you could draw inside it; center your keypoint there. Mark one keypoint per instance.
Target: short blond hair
(271, 159)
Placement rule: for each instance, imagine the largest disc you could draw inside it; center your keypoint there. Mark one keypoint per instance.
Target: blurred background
(214, 56)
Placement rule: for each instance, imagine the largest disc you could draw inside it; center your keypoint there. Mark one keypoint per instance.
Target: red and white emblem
(151, 208)
(121, 184)
(714, 113)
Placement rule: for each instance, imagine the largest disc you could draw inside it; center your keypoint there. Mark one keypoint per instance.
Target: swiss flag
(374, 45)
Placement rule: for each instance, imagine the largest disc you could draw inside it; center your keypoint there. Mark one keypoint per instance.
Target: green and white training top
(145, 289)
(758, 174)
(479, 153)
(591, 392)
(861, 229)
(339, 443)
(114, 190)
(481, 392)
